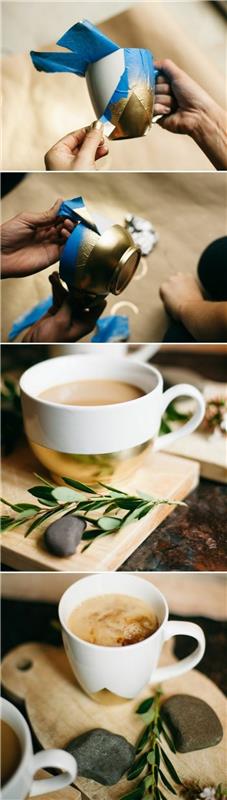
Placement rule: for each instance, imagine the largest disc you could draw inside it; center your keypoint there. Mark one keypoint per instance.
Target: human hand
(179, 293)
(32, 242)
(180, 97)
(78, 150)
(63, 322)
(188, 109)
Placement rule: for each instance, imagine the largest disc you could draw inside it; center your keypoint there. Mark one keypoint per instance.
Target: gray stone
(63, 536)
(101, 755)
(192, 722)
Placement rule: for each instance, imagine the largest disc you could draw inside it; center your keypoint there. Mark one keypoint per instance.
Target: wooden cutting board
(59, 710)
(161, 474)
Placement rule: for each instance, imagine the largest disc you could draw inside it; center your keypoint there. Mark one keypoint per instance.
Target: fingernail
(98, 125)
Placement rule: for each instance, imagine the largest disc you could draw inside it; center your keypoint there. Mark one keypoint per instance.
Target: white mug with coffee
(123, 669)
(19, 764)
(94, 418)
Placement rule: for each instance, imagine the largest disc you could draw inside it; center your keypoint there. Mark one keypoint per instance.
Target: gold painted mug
(102, 442)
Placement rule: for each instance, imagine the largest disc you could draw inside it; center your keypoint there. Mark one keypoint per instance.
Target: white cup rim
(27, 740)
(105, 648)
(148, 368)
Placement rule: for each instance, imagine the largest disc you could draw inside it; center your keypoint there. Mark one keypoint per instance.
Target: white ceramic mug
(21, 785)
(124, 670)
(91, 443)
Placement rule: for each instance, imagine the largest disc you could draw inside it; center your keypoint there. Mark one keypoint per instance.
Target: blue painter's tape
(70, 253)
(88, 42)
(70, 209)
(112, 329)
(57, 62)
(30, 317)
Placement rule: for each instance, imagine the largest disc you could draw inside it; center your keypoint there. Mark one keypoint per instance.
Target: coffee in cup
(10, 752)
(113, 620)
(92, 393)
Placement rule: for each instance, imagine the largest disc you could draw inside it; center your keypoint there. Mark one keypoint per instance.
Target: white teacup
(124, 670)
(91, 443)
(21, 785)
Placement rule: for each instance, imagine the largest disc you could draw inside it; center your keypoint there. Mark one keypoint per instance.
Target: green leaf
(133, 515)
(26, 514)
(7, 503)
(163, 797)
(109, 523)
(169, 740)
(157, 754)
(130, 503)
(91, 534)
(38, 521)
(78, 485)
(173, 414)
(148, 781)
(64, 495)
(170, 768)
(143, 739)
(164, 428)
(91, 505)
(51, 503)
(145, 705)
(44, 492)
(112, 490)
(136, 794)
(26, 507)
(137, 767)
(5, 522)
(166, 782)
(151, 758)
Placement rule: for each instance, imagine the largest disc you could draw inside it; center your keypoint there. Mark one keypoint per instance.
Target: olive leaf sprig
(82, 500)
(151, 758)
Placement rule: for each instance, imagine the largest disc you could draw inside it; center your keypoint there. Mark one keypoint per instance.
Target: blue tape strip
(67, 210)
(87, 41)
(30, 317)
(70, 253)
(88, 45)
(112, 329)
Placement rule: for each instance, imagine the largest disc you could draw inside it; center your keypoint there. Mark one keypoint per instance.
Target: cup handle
(174, 628)
(178, 391)
(144, 353)
(58, 759)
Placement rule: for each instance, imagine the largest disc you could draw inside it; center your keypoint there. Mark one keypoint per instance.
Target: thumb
(58, 291)
(48, 217)
(88, 149)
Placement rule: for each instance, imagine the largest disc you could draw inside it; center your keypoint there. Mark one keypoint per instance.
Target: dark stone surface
(192, 538)
(192, 722)
(63, 536)
(101, 755)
